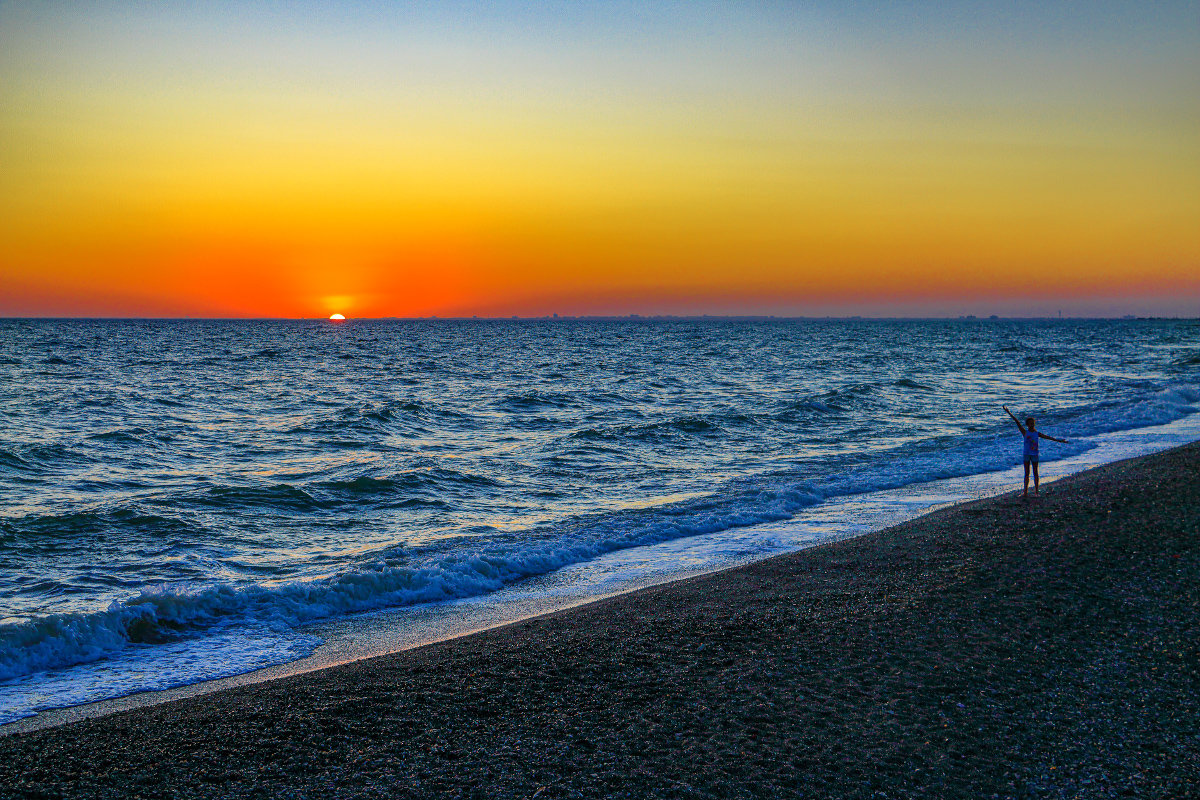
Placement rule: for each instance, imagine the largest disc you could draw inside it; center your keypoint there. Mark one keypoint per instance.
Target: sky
(500, 158)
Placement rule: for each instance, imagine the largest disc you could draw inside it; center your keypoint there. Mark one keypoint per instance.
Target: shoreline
(994, 646)
(387, 631)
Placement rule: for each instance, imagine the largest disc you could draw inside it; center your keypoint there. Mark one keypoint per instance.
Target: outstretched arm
(1052, 438)
(1014, 419)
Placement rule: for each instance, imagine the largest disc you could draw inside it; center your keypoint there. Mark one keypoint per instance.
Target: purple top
(1031, 443)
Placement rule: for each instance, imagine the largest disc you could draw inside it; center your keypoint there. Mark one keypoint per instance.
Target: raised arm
(1052, 438)
(1014, 419)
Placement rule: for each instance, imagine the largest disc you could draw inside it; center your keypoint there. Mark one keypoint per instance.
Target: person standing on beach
(1031, 435)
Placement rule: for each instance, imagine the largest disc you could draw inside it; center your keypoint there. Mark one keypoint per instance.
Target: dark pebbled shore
(994, 649)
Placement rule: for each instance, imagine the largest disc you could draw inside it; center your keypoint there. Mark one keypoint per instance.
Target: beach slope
(1001, 648)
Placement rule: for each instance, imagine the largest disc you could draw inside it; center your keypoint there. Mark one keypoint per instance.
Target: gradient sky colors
(405, 159)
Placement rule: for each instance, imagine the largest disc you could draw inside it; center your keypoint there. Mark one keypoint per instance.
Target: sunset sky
(408, 159)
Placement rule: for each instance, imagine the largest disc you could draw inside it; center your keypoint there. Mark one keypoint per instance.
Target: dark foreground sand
(997, 649)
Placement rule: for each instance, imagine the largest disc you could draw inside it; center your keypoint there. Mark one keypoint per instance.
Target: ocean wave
(346, 421)
(807, 407)
(908, 383)
(11, 461)
(99, 402)
(40, 458)
(417, 487)
(1041, 359)
(685, 424)
(689, 424)
(1187, 361)
(436, 479)
(127, 435)
(279, 496)
(609, 398)
(388, 579)
(219, 654)
(364, 484)
(855, 397)
(1155, 408)
(70, 525)
(534, 400)
(377, 418)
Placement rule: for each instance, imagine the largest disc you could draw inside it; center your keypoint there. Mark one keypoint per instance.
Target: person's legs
(1035, 478)
(1027, 477)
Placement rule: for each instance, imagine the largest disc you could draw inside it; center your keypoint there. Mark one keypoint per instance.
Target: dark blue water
(167, 484)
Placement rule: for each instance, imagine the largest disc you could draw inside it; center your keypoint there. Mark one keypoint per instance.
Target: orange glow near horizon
(738, 174)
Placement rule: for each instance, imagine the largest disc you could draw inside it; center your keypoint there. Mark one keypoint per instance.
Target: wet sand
(1048, 648)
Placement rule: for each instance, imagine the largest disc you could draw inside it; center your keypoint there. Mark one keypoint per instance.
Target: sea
(184, 500)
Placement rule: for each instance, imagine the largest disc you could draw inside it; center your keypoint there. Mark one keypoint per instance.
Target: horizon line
(600, 317)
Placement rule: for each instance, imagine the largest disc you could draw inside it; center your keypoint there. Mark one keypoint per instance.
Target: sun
(337, 317)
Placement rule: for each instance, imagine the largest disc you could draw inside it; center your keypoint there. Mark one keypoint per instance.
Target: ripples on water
(171, 479)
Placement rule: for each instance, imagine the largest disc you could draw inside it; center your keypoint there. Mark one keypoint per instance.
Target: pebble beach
(1000, 648)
